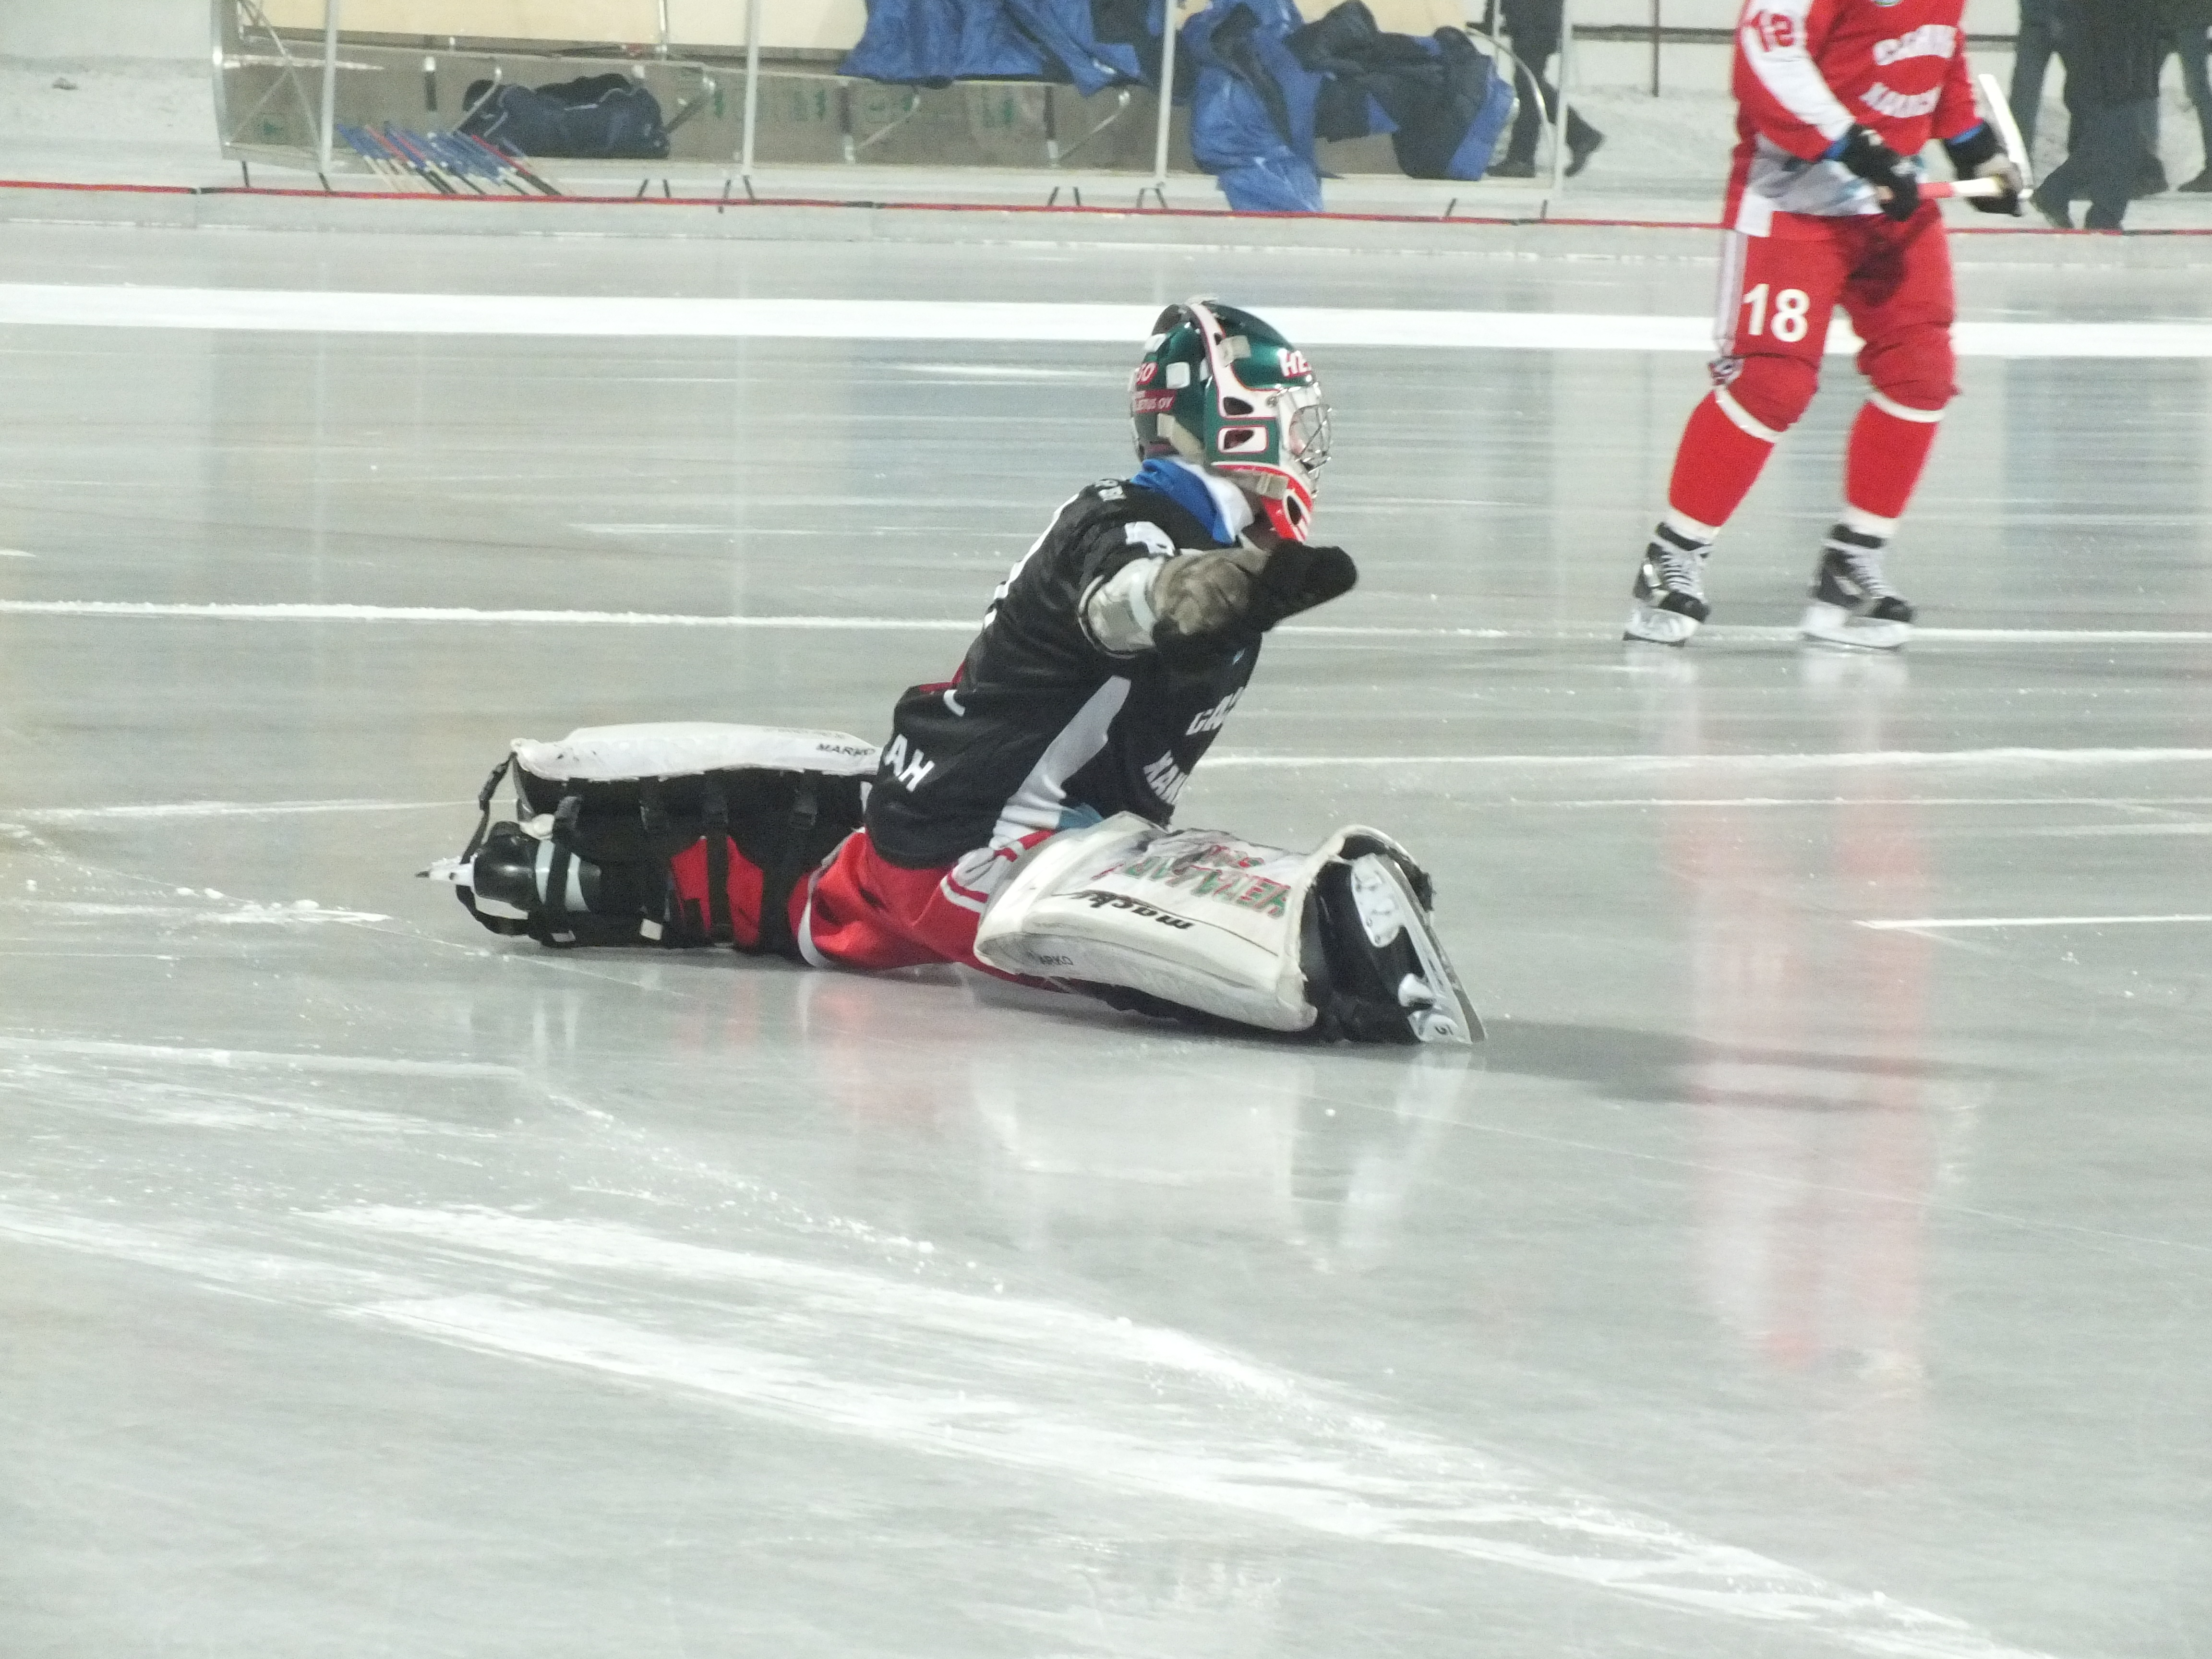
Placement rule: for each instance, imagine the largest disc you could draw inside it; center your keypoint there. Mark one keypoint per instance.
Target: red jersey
(1809, 70)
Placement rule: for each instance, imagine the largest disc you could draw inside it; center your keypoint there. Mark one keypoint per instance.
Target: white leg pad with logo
(1337, 942)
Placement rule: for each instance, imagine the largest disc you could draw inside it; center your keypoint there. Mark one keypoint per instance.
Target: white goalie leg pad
(1252, 933)
(1194, 918)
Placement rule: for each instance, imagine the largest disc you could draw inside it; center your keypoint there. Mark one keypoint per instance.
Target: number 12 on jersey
(1792, 305)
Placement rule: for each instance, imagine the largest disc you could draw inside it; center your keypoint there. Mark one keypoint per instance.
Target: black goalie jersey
(1043, 728)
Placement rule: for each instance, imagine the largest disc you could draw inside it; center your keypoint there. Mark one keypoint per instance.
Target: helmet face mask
(1220, 387)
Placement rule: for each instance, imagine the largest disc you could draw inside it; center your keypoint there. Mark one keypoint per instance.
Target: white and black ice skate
(1669, 593)
(1853, 602)
(1387, 977)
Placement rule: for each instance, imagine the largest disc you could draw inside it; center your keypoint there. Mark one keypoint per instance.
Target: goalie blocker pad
(1336, 942)
(603, 814)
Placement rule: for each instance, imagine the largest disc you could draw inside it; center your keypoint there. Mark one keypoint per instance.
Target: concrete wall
(77, 31)
(80, 29)
(813, 24)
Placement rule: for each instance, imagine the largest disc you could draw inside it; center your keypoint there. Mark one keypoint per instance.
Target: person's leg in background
(1533, 27)
(2150, 172)
(2031, 59)
(2109, 145)
(2071, 180)
(2195, 20)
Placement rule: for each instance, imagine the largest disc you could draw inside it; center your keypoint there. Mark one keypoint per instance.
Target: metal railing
(245, 37)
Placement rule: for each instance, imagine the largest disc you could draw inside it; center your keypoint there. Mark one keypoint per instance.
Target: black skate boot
(558, 898)
(1853, 603)
(1669, 593)
(1375, 969)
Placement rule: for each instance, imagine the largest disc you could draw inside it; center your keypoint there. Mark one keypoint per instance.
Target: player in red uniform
(1835, 101)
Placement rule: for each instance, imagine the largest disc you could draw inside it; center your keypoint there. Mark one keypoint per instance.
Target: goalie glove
(1199, 594)
(1977, 155)
(1297, 577)
(1201, 610)
(1197, 603)
(1863, 152)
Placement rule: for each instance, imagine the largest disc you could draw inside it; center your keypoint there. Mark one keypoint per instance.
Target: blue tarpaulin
(931, 42)
(1263, 84)
(1252, 108)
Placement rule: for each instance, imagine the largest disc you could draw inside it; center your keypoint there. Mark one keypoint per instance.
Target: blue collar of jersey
(1216, 504)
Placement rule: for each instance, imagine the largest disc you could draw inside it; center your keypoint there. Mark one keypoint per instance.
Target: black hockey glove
(1979, 155)
(1297, 578)
(1864, 153)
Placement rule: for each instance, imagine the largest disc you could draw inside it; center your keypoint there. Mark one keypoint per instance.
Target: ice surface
(1789, 1274)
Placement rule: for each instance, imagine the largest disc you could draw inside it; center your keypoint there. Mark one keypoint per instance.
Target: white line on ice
(852, 532)
(249, 915)
(219, 809)
(95, 956)
(464, 614)
(615, 316)
(161, 1053)
(1824, 801)
(1932, 924)
(16, 553)
(1009, 372)
(1738, 762)
(401, 613)
(1041, 1387)
(1739, 634)
(2064, 635)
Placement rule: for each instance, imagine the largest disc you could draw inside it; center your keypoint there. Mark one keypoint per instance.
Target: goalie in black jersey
(1017, 820)
(1109, 656)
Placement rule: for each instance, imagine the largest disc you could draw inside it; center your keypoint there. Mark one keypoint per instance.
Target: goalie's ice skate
(1669, 592)
(1853, 602)
(1394, 981)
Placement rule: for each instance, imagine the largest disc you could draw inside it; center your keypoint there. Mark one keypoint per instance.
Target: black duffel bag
(606, 117)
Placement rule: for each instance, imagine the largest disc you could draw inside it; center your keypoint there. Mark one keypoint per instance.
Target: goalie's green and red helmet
(1218, 386)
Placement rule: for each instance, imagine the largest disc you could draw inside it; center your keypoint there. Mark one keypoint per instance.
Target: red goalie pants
(1778, 293)
(865, 912)
(859, 910)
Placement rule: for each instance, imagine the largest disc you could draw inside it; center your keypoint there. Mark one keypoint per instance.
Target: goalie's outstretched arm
(1195, 600)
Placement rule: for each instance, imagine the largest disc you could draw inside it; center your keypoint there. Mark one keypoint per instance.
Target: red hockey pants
(1778, 294)
(859, 910)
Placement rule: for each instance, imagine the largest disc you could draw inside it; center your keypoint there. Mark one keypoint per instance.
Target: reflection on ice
(1807, 1076)
(1229, 1139)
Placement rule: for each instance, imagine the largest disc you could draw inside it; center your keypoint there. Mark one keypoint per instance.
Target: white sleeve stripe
(1729, 308)
(1789, 72)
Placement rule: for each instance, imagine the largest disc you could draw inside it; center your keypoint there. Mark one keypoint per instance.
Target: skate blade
(1831, 624)
(1650, 626)
(1436, 1004)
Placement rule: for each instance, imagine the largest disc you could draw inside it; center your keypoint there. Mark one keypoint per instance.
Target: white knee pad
(1336, 942)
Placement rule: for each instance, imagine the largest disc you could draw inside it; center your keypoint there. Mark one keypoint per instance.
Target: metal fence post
(329, 88)
(1159, 187)
(752, 91)
(1559, 109)
(1655, 48)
